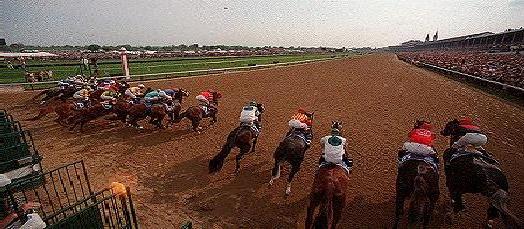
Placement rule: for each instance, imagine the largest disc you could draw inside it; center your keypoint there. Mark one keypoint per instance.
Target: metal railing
(471, 78)
(68, 201)
(168, 75)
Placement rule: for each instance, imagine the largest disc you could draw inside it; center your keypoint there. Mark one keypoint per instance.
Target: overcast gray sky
(333, 23)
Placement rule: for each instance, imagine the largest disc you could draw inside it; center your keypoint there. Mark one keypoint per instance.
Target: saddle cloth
(417, 157)
(342, 165)
(252, 126)
(476, 154)
(299, 134)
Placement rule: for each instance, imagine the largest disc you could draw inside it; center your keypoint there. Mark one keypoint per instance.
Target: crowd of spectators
(506, 68)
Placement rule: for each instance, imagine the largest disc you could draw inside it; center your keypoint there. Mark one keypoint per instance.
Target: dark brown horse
(50, 94)
(418, 182)
(328, 192)
(195, 113)
(292, 150)
(242, 137)
(470, 173)
(174, 112)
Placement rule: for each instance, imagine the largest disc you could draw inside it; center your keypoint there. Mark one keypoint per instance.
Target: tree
(93, 47)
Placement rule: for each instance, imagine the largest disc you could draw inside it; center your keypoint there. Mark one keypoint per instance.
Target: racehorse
(84, 116)
(196, 113)
(138, 112)
(470, 173)
(418, 181)
(241, 137)
(174, 113)
(292, 150)
(54, 93)
(328, 192)
(63, 110)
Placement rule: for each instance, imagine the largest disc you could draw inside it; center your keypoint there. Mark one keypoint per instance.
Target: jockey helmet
(423, 124)
(301, 110)
(335, 131)
(253, 103)
(466, 121)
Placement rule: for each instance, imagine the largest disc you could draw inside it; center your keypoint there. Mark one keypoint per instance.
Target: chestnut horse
(138, 112)
(63, 108)
(328, 192)
(241, 137)
(196, 113)
(84, 116)
(471, 173)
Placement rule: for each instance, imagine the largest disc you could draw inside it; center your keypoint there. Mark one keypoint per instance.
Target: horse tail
(500, 200)
(217, 162)
(417, 206)
(330, 192)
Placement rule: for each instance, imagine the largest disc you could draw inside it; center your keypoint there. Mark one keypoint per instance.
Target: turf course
(138, 67)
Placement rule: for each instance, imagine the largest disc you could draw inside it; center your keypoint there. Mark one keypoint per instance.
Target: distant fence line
(168, 75)
(471, 78)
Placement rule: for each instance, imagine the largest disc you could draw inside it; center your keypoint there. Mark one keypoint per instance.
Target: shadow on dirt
(225, 198)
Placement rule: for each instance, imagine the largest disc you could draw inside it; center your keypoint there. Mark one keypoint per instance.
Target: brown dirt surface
(377, 97)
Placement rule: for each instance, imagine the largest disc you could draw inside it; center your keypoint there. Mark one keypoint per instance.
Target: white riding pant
(418, 148)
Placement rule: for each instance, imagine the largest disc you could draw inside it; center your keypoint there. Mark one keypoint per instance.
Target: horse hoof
(271, 182)
(288, 191)
(140, 127)
(489, 224)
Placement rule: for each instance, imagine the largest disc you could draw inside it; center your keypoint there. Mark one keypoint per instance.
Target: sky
(306, 23)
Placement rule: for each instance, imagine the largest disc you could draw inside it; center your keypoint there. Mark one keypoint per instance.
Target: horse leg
(295, 167)
(275, 173)
(399, 207)
(499, 199)
(428, 212)
(314, 201)
(456, 201)
(243, 151)
(493, 213)
(339, 203)
(254, 144)
(195, 122)
(133, 121)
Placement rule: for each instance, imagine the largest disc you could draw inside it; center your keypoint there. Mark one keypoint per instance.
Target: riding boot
(347, 161)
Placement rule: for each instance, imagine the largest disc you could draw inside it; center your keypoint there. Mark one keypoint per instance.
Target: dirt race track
(377, 97)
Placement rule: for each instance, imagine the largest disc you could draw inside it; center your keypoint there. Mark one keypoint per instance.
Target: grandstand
(486, 41)
(484, 57)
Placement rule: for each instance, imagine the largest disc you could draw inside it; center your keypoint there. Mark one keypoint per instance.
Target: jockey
(421, 140)
(135, 92)
(109, 96)
(471, 136)
(204, 100)
(155, 96)
(334, 150)
(302, 121)
(250, 116)
(82, 96)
